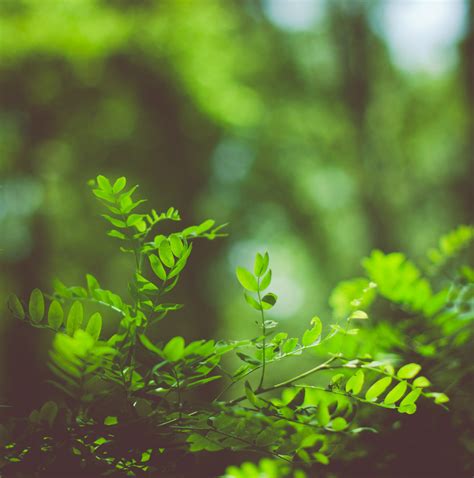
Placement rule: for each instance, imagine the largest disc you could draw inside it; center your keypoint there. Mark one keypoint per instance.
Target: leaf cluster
(128, 405)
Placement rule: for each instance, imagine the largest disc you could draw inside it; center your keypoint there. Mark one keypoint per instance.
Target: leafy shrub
(423, 312)
(129, 405)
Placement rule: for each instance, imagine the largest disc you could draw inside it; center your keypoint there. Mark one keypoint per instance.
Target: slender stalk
(323, 366)
(264, 339)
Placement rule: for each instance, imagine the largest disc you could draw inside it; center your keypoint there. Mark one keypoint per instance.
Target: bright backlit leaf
(355, 383)
(266, 281)
(310, 336)
(396, 393)
(409, 370)
(174, 349)
(421, 382)
(377, 388)
(246, 279)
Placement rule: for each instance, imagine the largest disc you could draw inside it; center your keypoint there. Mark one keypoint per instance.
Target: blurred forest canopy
(308, 138)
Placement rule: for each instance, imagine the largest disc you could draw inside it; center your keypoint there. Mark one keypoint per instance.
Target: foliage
(423, 314)
(127, 403)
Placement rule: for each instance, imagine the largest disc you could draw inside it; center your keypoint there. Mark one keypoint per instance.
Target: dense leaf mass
(128, 405)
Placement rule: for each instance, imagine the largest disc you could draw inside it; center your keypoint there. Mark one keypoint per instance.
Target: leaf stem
(264, 344)
(323, 366)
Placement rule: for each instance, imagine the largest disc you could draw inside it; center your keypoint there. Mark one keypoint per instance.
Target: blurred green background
(319, 129)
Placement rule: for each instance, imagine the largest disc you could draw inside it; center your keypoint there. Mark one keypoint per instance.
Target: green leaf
(269, 300)
(421, 382)
(116, 234)
(335, 379)
(134, 219)
(409, 370)
(338, 424)
(411, 398)
(355, 383)
(246, 279)
(258, 265)
(74, 318)
(439, 398)
(104, 183)
(358, 315)
(92, 283)
(165, 254)
(252, 302)
(114, 221)
(174, 349)
(396, 393)
(205, 226)
(321, 458)
(103, 195)
(409, 409)
(110, 421)
(266, 261)
(94, 326)
(377, 388)
(181, 263)
(15, 306)
(322, 414)
(290, 345)
(267, 279)
(36, 306)
(176, 245)
(157, 267)
(119, 185)
(312, 335)
(55, 315)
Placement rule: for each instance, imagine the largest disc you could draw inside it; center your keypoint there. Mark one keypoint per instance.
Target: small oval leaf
(396, 393)
(377, 388)
(421, 382)
(119, 185)
(55, 315)
(176, 245)
(74, 318)
(165, 253)
(94, 326)
(409, 370)
(258, 264)
(36, 306)
(157, 267)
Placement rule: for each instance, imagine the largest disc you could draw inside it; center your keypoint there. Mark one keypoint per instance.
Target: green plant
(423, 312)
(128, 404)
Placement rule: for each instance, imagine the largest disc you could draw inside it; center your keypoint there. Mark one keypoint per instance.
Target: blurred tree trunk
(355, 43)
